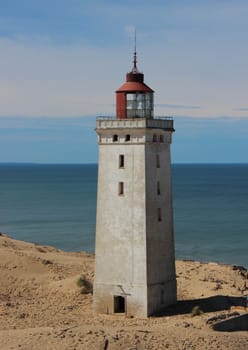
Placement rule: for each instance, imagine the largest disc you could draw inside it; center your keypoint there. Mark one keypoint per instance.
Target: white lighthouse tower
(134, 256)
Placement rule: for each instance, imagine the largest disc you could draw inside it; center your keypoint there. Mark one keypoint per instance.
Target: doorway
(119, 304)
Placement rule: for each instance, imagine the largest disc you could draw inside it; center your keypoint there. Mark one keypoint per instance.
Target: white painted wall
(134, 252)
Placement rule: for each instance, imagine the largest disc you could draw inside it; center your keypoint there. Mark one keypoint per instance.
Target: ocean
(56, 205)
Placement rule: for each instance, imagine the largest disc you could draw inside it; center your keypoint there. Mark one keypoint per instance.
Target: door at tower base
(133, 301)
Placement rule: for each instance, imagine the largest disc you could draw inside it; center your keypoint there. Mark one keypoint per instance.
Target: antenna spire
(135, 69)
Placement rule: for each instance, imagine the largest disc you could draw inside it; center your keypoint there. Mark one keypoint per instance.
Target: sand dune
(42, 307)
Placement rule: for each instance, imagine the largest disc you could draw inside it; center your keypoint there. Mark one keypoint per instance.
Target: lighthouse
(134, 252)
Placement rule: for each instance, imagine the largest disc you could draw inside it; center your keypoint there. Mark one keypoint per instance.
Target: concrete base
(160, 296)
(137, 301)
(132, 299)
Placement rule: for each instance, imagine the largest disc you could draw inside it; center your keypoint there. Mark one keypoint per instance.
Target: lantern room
(134, 99)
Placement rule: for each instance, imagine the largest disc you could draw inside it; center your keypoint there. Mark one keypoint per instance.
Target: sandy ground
(42, 307)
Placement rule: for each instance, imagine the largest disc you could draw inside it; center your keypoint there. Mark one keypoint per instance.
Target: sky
(61, 62)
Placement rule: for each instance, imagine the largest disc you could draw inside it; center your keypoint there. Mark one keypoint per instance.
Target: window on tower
(121, 188)
(157, 161)
(161, 138)
(128, 138)
(139, 105)
(115, 138)
(158, 188)
(121, 161)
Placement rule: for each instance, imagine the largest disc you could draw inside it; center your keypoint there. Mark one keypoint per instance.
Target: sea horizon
(55, 204)
(96, 163)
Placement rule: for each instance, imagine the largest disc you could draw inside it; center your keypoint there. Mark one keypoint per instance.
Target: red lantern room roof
(133, 86)
(134, 80)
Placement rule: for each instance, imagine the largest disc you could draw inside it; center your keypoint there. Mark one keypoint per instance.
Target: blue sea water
(56, 205)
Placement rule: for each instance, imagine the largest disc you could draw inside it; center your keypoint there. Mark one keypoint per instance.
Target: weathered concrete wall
(120, 239)
(136, 299)
(134, 250)
(161, 277)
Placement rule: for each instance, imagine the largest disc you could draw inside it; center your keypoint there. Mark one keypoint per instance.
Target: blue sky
(62, 60)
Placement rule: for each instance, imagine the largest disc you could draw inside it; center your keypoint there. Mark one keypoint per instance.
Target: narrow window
(128, 138)
(121, 161)
(159, 214)
(115, 138)
(158, 188)
(119, 304)
(161, 138)
(121, 188)
(157, 161)
(154, 138)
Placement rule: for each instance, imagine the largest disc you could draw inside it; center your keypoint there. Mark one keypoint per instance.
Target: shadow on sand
(211, 304)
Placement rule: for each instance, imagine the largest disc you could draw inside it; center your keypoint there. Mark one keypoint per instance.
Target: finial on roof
(135, 69)
(135, 75)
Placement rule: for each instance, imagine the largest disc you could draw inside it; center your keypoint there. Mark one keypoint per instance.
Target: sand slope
(41, 306)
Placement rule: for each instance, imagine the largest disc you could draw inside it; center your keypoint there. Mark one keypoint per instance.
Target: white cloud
(45, 80)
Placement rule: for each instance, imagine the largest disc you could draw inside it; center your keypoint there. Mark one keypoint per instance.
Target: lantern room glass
(139, 105)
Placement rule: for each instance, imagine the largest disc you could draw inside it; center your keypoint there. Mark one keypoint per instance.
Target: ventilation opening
(115, 138)
(119, 304)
